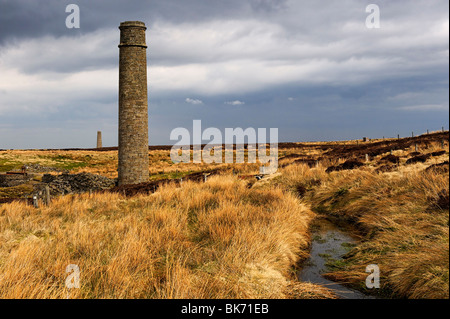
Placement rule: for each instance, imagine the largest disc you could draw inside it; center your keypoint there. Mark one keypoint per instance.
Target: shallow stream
(329, 244)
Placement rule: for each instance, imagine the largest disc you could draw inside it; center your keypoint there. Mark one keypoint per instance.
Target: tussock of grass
(210, 240)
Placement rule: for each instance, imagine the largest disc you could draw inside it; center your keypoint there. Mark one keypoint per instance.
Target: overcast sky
(310, 68)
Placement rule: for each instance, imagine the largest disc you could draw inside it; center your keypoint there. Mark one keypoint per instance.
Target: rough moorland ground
(233, 236)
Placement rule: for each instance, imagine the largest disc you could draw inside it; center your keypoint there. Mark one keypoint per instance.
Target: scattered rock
(76, 183)
(47, 178)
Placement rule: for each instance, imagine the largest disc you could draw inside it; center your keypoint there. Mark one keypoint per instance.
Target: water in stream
(329, 243)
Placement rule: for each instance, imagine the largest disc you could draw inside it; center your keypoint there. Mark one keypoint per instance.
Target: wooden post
(205, 177)
(35, 201)
(415, 147)
(412, 134)
(398, 136)
(428, 132)
(443, 144)
(47, 196)
(367, 157)
(391, 152)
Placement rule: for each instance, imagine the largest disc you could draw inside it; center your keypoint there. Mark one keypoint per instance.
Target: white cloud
(43, 94)
(226, 56)
(193, 101)
(237, 102)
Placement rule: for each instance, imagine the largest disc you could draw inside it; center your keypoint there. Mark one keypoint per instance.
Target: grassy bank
(403, 217)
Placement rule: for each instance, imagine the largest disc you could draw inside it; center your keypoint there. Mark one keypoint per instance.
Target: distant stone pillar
(133, 105)
(99, 139)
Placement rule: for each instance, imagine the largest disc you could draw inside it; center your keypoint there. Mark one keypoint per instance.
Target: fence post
(47, 195)
(367, 157)
(415, 147)
(35, 201)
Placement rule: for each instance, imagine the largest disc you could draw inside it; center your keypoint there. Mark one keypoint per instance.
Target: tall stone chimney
(133, 105)
(99, 139)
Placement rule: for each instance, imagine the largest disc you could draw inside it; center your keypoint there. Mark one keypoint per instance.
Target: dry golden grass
(211, 240)
(220, 239)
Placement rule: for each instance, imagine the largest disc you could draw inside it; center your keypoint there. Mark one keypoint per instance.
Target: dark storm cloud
(36, 20)
(31, 18)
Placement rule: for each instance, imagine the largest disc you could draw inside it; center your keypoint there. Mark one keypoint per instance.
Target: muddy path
(329, 245)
